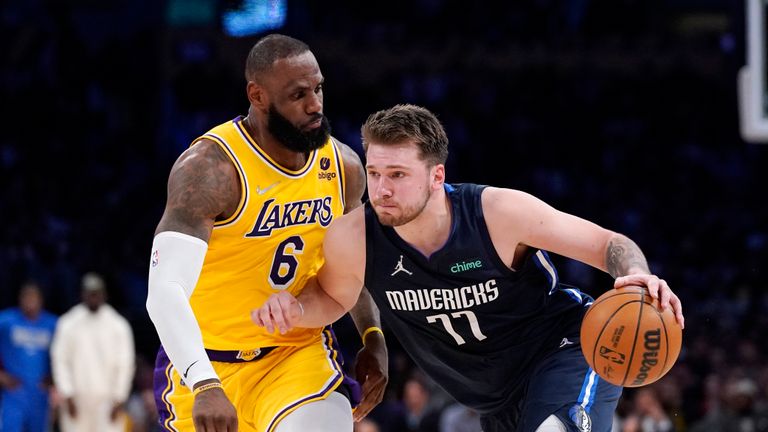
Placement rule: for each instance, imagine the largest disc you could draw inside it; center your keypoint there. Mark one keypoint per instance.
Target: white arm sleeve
(174, 268)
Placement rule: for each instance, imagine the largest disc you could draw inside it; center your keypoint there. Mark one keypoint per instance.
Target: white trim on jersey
(545, 264)
(587, 395)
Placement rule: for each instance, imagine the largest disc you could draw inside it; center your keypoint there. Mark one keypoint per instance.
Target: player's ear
(438, 176)
(257, 96)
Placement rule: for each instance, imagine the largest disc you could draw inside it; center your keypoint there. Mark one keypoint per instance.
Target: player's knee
(552, 424)
(333, 414)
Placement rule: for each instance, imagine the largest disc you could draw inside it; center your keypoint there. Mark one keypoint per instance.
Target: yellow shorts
(264, 390)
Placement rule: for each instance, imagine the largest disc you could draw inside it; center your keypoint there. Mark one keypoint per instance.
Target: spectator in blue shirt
(25, 374)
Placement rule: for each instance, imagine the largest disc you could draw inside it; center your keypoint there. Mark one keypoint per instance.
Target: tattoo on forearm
(622, 255)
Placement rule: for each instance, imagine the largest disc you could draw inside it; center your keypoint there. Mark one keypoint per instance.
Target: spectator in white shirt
(93, 361)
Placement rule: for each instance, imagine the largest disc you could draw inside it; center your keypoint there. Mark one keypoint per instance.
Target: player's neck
(429, 231)
(285, 157)
(31, 316)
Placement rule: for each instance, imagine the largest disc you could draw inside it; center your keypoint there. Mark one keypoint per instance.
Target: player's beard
(294, 138)
(407, 213)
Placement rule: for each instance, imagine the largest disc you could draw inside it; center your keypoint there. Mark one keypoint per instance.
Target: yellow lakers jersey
(273, 241)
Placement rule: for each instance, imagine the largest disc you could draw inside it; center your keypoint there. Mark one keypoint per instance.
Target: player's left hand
(372, 372)
(281, 311)
(658, 289)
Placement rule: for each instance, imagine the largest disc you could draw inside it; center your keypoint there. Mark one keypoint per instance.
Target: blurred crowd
(623, 112)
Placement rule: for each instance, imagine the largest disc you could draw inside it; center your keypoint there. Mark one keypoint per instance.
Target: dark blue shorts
(563, 385)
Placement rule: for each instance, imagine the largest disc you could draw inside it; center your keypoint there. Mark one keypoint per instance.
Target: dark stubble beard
(294, 138)
(408, 214)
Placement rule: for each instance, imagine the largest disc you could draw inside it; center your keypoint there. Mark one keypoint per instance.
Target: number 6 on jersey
(284, 263)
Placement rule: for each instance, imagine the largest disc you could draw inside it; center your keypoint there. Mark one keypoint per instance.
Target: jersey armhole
(240, 174)
(340, 168)
(369, 221)
(490, 249)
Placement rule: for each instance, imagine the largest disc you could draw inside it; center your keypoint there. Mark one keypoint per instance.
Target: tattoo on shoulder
(622, 255)
(202, 186)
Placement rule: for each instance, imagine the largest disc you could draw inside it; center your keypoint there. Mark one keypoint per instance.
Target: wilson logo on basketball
(652, 343)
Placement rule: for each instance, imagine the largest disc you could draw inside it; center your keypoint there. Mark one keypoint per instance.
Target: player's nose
(382, 188)
(314, 103)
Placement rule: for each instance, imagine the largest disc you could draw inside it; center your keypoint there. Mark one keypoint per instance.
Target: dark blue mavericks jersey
(474, 325)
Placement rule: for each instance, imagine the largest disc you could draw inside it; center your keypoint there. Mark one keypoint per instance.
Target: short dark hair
(269, 49)
(403, 123)
(30, 285)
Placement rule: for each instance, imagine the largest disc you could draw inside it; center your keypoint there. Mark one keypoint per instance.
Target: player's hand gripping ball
(627, 340)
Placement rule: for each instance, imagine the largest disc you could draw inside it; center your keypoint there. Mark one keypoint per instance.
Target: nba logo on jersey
(155, 258)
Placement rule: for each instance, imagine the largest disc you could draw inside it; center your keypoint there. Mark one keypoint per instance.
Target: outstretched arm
(337, 289)
(330, 294)
(515, 217)
(202, 186)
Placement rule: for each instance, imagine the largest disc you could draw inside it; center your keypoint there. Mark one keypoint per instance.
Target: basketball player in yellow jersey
(248, 206)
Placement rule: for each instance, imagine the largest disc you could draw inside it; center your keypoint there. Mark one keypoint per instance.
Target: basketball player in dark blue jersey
(461, 277)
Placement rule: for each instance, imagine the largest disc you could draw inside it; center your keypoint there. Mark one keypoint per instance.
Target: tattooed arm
(203, 186)
(625, 261)
(516, 219)
(623, 257)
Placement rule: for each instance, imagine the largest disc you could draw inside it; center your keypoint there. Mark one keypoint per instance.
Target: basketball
(627, 340)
